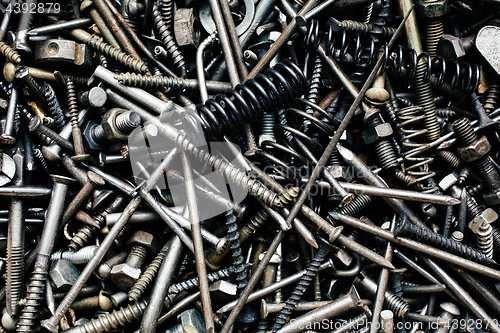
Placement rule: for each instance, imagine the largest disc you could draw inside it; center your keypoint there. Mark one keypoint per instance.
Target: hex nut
(186, 27)
(450, 47)
(63, 274)
(448, 181)
(89, 138)
(109, 125)
(432, 9)
(191, 321)
(379, 132)
(124, 276)
(340, 172)
(475, 150)
(144, 239)
(488, 216)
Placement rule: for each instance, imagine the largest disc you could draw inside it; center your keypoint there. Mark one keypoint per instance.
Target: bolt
(36, 285)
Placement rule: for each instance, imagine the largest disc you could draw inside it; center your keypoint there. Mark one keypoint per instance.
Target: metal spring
(42, 163)
(111, 321)
(300, 289)
(359, 203)
(168, 39)
(117, 55)
(9, 53)
(166, 9)
(149, 274)
(54, 107)
(409, 119)
(485, 239)
(238, 260)
(247, 102)
(449, 157)
(34, 295)
(491, 99)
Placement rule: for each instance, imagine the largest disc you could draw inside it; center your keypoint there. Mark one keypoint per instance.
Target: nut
(109, 125)
(144, 239)
(124, 276)
(448, 181)
(191, 321)
(340, 172)
(432, 9)
(186, 27)
(475, 150)
(379, 132)
(89, 138)
(487, 216)
(63, 274)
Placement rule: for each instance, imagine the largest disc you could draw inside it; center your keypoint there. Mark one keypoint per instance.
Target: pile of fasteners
(212, 166)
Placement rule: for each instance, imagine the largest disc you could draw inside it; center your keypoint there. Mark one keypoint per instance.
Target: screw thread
(386, 154)
(166, 9)
(54, 106)
(446, 89)
(425, 98)
(126, 122)
(366, 14)
(195, 282)
(300, 289)
(257, 221)
(464, 132)
(485, 239)
(137, 254)
(267, 124)
(449, 157)
(42, 163)
(444, 242)
(9, 53)
(483, 166)
(98, 134)
(355, 26)
(72, 102)
(254, 187)
(491, 99)
(315, 81)
(111, 321)
(117, 55)
(153, 81)
(149, 274)
(34, 296)
(236, 251)
(495, 231)
(82, 237)
(15, 278)
(167, 38)
(81, 256)
(359, 203)
(434, 30)
(396, 304)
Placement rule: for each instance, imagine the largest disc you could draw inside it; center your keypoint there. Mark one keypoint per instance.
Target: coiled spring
(247, 102)
(400, 62)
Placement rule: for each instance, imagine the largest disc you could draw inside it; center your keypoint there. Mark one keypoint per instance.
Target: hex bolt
(104, 269)
(379, 134)
(115, 127)
(433, 12)
(36, 286)
(125, 275)
(15, 243)
(189, 321)
(453, 48)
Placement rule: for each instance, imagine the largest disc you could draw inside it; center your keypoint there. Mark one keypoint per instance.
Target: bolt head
(379, 132)
(186, 27)
(191, 321)
(144, 239)
(475, 150)
(432, 9)
(124, 276)
(63, 274)
(487, 216)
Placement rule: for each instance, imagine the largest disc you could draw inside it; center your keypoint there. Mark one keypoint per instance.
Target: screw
(9, 53)
(36, 125)
(403, 226)
(75, 126)
(36, 285)
(7, 135)
(22, 73)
